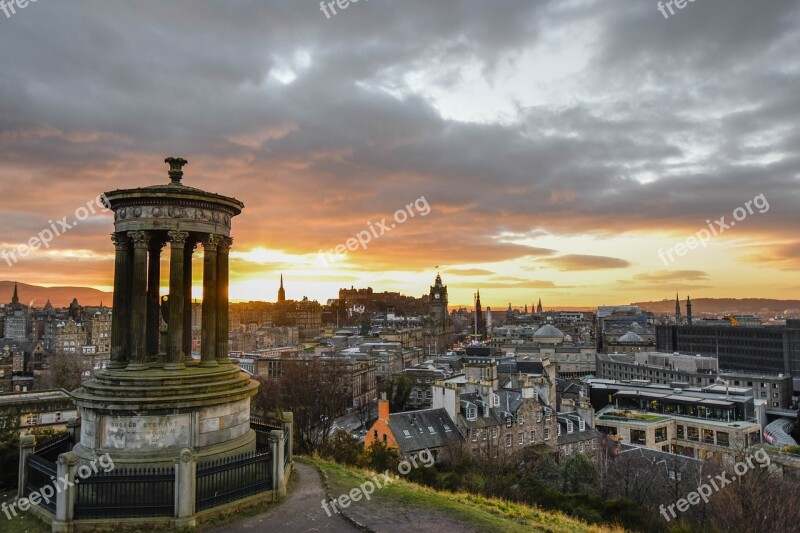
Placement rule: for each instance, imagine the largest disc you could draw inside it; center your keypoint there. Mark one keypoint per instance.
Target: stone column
(222, 300)
(67, 466)
(175, 324)
(278, 478)
(119, 317)
(185, 489)
(288, 423)
(27, 445)
(138, 304)
(208, 349)
(153, 299)
(187, 299)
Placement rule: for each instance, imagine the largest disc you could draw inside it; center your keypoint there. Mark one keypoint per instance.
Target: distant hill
(723, 305)
(59, 296)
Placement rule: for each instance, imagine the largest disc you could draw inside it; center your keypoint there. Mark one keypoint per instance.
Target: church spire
(677, 309)
(15, 298)
(281, 292)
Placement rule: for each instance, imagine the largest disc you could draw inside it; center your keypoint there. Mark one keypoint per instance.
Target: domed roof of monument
(175, 189)
(548, 331)
(631, 337)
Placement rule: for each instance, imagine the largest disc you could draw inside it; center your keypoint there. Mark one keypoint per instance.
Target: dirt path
(300, 511)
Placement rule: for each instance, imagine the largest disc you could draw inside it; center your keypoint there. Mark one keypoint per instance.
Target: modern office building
(702, 424)
(767, 349)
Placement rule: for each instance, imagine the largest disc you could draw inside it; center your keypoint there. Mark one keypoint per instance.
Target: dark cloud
(669, 122)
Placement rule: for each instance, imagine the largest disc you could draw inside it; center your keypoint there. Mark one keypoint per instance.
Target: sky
(567, 150)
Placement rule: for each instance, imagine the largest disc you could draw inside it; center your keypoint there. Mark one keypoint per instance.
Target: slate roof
(530, 367)
(576, 436)
(426, 429)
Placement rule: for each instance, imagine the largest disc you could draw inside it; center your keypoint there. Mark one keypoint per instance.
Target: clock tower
(438, 301)
(438, 332)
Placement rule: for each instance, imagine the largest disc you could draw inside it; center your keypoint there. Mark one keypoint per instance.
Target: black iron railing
(41, 473)
(144, 492)
(226, 480)
(52, 448)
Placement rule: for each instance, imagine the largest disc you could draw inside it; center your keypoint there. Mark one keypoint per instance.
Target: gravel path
(300, 511)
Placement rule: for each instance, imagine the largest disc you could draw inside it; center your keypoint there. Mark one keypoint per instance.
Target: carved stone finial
(176, 165)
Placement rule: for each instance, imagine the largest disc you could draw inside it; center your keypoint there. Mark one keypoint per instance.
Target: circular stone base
(146, 418)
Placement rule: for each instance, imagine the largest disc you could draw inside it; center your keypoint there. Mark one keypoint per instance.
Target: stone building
(70, 338)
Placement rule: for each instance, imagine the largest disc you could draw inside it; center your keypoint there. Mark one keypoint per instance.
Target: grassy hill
(430, 510)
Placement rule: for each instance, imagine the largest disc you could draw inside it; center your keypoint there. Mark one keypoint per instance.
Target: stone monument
(154, 399)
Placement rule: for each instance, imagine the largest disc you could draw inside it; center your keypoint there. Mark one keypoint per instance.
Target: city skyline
(550, 168)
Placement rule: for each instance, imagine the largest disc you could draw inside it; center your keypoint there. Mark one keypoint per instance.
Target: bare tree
(66, 372)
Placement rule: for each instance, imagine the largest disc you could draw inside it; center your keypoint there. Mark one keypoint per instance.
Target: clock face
(437, 295)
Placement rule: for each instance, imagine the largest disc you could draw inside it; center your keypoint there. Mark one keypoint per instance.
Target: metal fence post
(27, 445)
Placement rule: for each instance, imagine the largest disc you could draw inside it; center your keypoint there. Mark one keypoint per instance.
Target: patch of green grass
(486, 514)
(22, 523)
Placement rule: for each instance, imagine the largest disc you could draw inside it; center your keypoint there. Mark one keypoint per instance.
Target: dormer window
(581, 425)
(570, 426)
(472, 412)
(559, 430)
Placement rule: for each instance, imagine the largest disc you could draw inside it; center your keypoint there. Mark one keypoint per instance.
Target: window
(723, 439)
(639, 437)
(570, 426)
(546, 433)
(582, 425)
(521, 418)
(594, 444)
(384, 437)
(375, 434)
(774, 385)
(681, 433)
(539, 416)
(521, 438)
(559, 429)
(774, 394)
(533, 436)
(431, 430)
(509, 421)
(472, 413)
(708, 436)
(580, 446)
(31, 419)
(407, 433)
(692, 433)
(661, 434)
(446, 428)
(508, 439)
(494, 433)
(473, 435)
